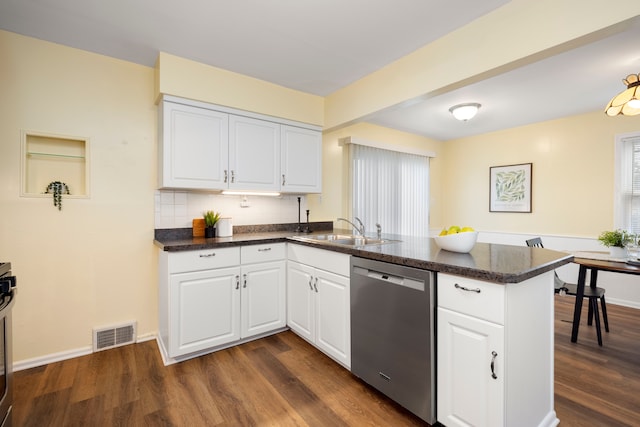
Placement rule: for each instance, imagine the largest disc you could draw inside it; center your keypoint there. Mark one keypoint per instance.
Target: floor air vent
(114, 336)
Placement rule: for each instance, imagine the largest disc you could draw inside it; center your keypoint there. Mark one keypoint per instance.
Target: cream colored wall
(189, 79)
(92, 264)
(512, 34)
(573, 175)
(333, 202)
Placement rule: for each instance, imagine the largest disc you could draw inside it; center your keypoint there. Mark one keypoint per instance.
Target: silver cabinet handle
(233, 177)
(476, 290)
(493, 360)
(264, 249)
(237, 281)
(315, 285)
(283, 180)
(310, 285)
(244, 278)
(207, 255)
(226, 176)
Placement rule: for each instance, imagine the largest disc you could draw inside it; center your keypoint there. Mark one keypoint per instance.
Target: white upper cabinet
(301, 160)
(254, 154)
(209, 147)
(193, 147)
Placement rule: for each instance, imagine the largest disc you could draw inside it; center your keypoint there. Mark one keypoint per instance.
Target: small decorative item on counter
(210, 220)
(457, 239)
(224, 227)
(197, 227)
(57, 188)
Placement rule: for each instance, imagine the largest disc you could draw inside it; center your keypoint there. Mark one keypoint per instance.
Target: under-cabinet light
(250, 193)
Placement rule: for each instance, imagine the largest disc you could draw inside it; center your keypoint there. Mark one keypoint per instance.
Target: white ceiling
(319, 47)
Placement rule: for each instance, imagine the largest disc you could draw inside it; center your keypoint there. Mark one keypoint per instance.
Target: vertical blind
(390, 188)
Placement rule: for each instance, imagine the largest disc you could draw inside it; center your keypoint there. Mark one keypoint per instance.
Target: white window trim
(622, 173)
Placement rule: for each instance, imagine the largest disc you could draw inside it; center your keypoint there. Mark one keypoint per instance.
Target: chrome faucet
(360, 228)
(379, 227)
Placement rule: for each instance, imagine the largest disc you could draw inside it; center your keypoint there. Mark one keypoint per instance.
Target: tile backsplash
(177, 209)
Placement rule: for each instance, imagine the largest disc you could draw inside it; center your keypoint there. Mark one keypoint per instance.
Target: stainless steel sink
(344, 239)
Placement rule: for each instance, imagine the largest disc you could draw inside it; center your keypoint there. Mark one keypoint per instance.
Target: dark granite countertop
(490, 262)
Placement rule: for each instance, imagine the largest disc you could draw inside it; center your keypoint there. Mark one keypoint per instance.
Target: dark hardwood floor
(283, 381)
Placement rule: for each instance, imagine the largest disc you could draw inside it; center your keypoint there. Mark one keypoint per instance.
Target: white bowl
(460, 242)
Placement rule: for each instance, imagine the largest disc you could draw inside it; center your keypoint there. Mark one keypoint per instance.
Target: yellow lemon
(465, 229)
(453, 229)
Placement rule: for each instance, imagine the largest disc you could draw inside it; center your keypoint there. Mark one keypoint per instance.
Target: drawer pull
(207, 255)
(310, 285)
(244, 278)
(264, 250)
(226, 176)
(283, 180)
(476, 290)
(315, 285)
(237, 281)
(493, 360)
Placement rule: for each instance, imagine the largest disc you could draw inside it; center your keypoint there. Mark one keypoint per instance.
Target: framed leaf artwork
(510, 188)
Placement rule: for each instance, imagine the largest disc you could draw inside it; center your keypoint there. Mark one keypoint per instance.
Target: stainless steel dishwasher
(392, 332)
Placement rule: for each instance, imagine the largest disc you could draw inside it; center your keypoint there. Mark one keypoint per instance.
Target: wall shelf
(48, 157)
(55, 155)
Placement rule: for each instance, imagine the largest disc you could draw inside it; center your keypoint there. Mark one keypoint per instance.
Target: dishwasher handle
(390, 278)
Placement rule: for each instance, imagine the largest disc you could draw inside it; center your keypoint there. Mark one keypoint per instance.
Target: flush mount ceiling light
(627, 102)
(464, 112)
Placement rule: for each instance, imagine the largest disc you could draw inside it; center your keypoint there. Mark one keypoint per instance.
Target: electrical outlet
(244, 202)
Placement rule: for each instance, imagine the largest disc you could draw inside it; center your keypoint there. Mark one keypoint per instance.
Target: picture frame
(510, 188)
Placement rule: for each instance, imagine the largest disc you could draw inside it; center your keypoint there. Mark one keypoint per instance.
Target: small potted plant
(210, 220)
(57, 188)
(616, 241)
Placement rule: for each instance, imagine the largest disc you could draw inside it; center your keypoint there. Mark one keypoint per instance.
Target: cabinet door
(468, 394)
(333, 320)
(300, 300)
(204, 310)
(254, 154)
(263, 298)
(194, 147)
(301, 152)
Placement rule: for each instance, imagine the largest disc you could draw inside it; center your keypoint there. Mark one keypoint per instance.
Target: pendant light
(627, 102)
(464, 112)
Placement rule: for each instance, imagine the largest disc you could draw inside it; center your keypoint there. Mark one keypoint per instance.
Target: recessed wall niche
(47, 158)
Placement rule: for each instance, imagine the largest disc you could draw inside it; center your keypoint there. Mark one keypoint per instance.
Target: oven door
(6, 371)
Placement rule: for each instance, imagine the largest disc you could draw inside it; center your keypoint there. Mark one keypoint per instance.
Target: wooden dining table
(594, 261)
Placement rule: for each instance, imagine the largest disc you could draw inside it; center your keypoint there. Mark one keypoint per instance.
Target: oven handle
(7, 304)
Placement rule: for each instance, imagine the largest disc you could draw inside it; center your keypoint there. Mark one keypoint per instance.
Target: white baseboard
(51, 358)
(65, 355)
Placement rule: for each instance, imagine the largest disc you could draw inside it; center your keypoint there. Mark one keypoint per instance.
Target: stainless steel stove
(8, 294)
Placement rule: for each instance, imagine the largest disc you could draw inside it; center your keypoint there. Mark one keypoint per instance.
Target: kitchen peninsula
(494, 315)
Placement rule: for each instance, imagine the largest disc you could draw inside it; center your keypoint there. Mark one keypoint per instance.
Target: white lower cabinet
(471, 354)
(495, 352)
(263, 297)
(318, 300)
(204, 311)
(212, 298)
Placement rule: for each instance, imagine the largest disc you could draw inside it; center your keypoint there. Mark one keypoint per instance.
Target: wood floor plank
(284, 381)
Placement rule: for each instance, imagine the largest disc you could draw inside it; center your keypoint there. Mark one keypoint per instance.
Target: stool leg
(590, 314)
(604, 314)
(596, 315)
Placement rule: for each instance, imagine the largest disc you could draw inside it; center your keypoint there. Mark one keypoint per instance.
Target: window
(627, 182)
(390, 188)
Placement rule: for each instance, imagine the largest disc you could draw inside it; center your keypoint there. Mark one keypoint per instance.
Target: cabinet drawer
(203, 260)
(324, 259)
(475, 298)
(262, 253)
